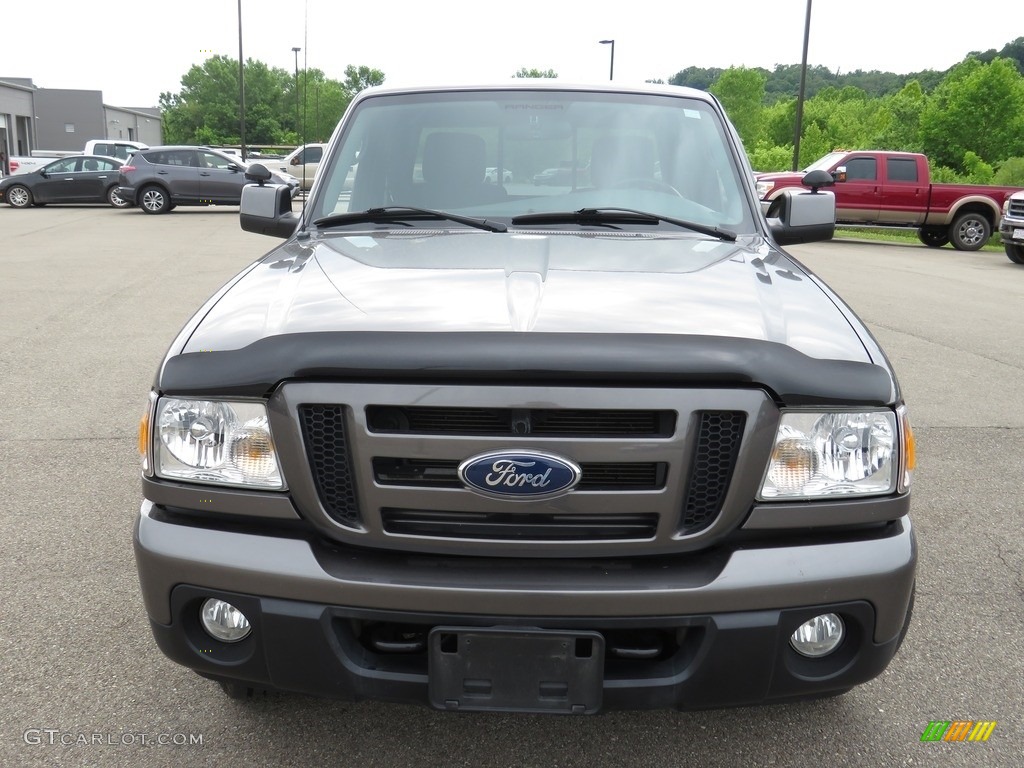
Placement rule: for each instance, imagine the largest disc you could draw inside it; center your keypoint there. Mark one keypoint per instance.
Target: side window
(313, 154)
(106, 165)
(63, 166)
(901, 169)
(102, 149)
(861, 169)
(210, 160)
(178, 157)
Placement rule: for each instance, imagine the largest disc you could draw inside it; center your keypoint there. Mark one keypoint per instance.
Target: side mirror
(258, 172)
(802, 217)
(818, 179)
(267, 209)
(839, 174)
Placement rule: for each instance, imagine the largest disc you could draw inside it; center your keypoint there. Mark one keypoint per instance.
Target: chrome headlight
(833, 453)
(211, 441)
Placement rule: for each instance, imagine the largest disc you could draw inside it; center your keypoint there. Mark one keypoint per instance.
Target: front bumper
(720, 620)
(1011, 231)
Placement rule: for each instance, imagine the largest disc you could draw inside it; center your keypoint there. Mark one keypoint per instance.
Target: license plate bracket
(512, 669)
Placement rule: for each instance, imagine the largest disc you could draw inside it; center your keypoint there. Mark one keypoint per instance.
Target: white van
(119, 148)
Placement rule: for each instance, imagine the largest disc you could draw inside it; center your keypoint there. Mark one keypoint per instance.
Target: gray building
(61, 119)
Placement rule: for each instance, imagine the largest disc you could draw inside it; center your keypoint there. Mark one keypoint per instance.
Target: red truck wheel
(933, 237)
(969, 232)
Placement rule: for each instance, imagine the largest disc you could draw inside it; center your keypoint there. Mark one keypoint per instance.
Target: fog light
(224, 622)
(819, 636)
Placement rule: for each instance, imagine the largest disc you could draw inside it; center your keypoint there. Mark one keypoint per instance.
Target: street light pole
(611, 67)
(241, 84)
(800, 99)
(297, 124)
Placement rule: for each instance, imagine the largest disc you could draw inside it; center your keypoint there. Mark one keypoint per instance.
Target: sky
(152, 44)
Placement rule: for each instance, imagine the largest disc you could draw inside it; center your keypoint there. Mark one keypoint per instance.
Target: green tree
(900, 119)
(280, 110)
(205, 110)
(741, 91)
(524, 72)
(360, 78)
(977, 108)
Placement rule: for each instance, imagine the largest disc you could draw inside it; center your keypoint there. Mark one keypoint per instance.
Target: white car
(491, 175)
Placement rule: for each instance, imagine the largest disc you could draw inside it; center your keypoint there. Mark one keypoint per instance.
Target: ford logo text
(519, 475)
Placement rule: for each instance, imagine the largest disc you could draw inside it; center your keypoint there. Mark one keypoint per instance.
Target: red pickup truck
(893, 189)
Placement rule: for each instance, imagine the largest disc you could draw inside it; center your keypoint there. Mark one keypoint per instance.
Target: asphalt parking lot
(90, 298)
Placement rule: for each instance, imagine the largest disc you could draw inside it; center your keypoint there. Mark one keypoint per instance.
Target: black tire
(969, 232)
(19, 196)
(115, 199)
(933, 237)
(1014, 253)
(154, 199)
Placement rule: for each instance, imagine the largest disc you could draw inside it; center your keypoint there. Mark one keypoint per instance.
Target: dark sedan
(74, 179)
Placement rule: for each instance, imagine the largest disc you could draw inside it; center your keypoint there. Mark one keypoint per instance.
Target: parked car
(302, 163)
(562, 176)
(491, 175)
(160, 178)
(75, 179)
(119, 148)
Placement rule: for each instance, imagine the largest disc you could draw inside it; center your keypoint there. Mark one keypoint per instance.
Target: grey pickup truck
(485, 445)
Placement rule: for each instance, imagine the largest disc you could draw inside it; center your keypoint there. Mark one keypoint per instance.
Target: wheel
(933, 237)
(115, 199)
(1015, 253)
(969, 232)
(657, 186)
(153, 199)
(19, 197)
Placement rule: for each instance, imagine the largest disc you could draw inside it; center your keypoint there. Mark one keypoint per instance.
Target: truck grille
(1016, 209)
(323, 428)
(718, 444)
(652, 478)
(512, 526)
(527, 421)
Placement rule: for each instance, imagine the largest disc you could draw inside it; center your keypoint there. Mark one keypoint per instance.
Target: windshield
(502, 154)
(825, 163)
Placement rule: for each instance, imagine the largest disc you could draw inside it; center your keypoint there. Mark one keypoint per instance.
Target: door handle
(204, 173)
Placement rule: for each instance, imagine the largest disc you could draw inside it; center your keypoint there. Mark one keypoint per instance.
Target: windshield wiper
(396, 213)
(604, 216)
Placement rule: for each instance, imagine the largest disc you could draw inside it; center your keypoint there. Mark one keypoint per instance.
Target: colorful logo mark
(958, 730)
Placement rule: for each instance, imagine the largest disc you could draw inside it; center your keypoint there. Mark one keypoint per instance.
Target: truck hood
(534, 283)
(792, 177)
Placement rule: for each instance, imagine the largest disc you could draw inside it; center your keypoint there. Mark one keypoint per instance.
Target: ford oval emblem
(519, 475)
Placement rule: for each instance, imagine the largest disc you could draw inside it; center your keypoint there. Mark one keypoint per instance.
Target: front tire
(1015, 253)
(970, 232)
(19, 196)
(154, 199)
(933, 237)
(115, 199)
